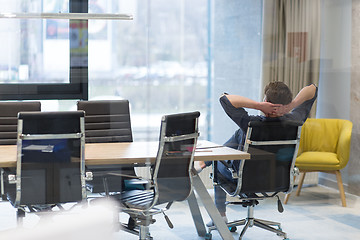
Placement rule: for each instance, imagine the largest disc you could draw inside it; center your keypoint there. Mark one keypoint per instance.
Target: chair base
(250, 222)
(141, 231)
(264, 224)
(138, 226)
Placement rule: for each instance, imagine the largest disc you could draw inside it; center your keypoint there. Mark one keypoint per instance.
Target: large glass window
(158, 61)
(175, 56)
(237, 44)
(43, 58)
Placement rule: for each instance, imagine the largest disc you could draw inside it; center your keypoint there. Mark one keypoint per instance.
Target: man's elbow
(312, 91)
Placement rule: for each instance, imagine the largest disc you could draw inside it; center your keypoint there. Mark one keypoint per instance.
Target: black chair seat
(137, 199)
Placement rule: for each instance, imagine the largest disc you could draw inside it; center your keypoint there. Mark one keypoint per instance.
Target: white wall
(335, 55)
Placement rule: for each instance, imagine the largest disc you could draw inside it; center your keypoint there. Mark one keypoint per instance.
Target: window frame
(77, 88)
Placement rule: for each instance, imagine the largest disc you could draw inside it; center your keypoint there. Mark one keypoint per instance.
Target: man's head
(278, 93)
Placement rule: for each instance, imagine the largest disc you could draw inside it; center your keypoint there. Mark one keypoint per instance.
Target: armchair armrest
(343, 147)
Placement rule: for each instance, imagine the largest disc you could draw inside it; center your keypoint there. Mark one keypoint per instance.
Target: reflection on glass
(50, 171)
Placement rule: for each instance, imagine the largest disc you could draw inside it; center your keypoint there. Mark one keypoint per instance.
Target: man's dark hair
(278, 93)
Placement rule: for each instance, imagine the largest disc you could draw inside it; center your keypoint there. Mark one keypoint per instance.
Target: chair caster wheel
(208, 236)
(232, 229)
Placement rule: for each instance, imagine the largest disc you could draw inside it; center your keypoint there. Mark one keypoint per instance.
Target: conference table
(145, 152)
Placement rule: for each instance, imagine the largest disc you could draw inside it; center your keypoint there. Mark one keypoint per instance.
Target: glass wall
(237, 41)
(175, 56)
(42, 58)
(158, 61)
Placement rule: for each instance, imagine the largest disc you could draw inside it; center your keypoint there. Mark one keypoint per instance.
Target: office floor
(315, 214)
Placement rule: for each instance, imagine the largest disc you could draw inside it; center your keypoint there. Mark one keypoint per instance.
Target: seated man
(278, 103)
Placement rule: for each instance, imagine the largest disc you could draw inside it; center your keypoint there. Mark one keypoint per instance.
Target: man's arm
(240, 101)
(305, 94)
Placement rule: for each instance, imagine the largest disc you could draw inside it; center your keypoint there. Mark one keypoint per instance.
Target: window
(39, 60)
(175, 56)
(158, 61)
(236, 56)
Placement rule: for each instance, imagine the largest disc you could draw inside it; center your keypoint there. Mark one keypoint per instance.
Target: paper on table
(43, 148)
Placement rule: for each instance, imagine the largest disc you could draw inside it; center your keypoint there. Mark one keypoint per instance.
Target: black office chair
(8, 131)
(170, 175)
(50, 167)
(107, 121)
(273, 147)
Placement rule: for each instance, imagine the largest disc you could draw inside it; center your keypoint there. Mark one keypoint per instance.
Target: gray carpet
(315, 214)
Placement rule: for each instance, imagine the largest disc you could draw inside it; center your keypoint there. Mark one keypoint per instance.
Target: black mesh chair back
(107, 121)
(8, 133)
(8, 119)
(50, 159)
(170, 175)
(273, 146)
(178, 136)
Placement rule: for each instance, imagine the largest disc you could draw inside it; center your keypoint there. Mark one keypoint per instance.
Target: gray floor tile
(315, 214)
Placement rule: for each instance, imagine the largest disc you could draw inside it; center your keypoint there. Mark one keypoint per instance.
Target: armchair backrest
(273, 147)
(323, 135)
(106, 121)
(327, 135)
(8, 119)
(171, 173)
(50, 158)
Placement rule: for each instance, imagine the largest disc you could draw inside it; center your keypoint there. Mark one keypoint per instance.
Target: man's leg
(220, 194)
(220, 199)
(236, 140)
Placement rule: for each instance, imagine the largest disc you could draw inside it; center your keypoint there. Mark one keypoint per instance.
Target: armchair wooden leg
(301, 181)
(341, 187)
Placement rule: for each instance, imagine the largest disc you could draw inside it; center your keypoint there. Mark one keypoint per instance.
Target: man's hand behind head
(282, 109)
(269, 108)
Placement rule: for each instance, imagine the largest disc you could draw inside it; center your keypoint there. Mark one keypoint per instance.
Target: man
(277, 103)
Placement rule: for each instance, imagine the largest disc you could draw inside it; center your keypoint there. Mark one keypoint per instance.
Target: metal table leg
(196, 214)
(210, 208)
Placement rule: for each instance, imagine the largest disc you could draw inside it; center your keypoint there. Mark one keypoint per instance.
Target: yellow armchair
(324, 147)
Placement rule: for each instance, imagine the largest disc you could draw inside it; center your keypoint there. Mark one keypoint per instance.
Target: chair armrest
(234, 173)
(296, 171)
(137, 181)
(12, 179)
(88, 176)
(123, 175)
(344, 143)
(134, 181)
